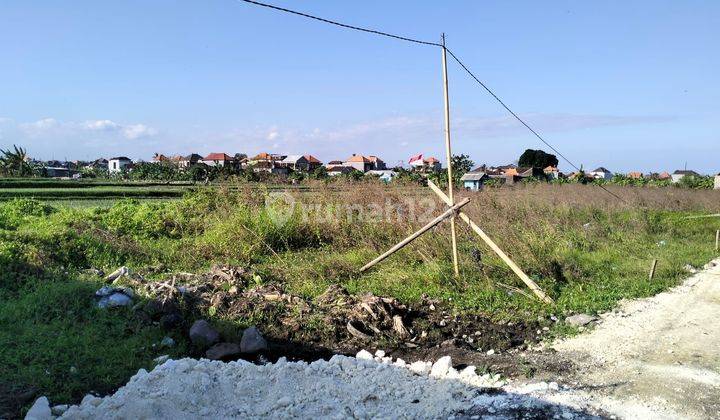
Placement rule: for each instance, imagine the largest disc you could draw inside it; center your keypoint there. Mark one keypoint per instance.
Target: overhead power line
(343, 25)
(435, 44)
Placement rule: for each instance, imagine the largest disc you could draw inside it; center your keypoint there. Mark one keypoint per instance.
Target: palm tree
(15, 162)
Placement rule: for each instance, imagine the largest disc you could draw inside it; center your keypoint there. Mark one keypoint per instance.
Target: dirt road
(657, 357)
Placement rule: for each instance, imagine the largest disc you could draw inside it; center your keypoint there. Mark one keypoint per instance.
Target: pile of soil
(335, 322)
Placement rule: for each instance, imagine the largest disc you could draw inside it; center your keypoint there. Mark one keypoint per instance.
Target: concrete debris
(580, 320)
(252, 341)
(690, 269)
(161, 359)
(122, 271)
(40, 410)
(222, 351)
(202, 334)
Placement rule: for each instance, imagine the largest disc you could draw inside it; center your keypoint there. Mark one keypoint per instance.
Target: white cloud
(273, 134)
(100, 125)
(136, 131)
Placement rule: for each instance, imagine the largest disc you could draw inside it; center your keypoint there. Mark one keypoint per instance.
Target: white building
(601, 173)
(717, 182)
(680, 174)
(119, 164)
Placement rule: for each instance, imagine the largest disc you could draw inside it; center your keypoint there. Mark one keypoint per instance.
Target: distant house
(192, 159)
(119, 164)
(474, 180)
(313, 162)
(262, 162)
(680, 174)
(601, 173)
(99, 164)
(332, 164)
(385, 175)
(635, 175)
(359, 162)
(430, 164)
(377, 163)
(159, 157)
(664, 176)
(217, 159)
(717, 182)
(336, 170)
(295, 162)
(552, 172)
(58, 172)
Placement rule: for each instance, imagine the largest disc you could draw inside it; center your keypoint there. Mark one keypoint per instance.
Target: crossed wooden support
(452, 211)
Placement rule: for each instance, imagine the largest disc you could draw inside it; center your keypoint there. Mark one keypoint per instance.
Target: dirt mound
(334, 322)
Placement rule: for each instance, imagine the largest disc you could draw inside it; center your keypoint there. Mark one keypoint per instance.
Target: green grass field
(582, 246)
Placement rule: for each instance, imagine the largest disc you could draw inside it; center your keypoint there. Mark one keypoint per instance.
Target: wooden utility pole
(448, 152)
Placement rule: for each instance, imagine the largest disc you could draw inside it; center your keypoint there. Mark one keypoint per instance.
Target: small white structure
(385, 175)
(717, 182)
(680, 174)
(474, 181)
(119, 164)
(601, 173)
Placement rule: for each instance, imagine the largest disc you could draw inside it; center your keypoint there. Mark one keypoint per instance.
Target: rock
(40, 410)
(126, 291)
(202, 334)
(441, 367)
(690, 269)
(59, 410)
(122, 271)
(380, 353)
(115, 300)
(171, 321)
(167, 342)
(580, 320)
(105, 291)
(252, 341)
(221, 351)
(490, 352)
(364, 355)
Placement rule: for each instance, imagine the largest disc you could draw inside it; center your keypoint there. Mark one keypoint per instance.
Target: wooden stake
(449, 212)
(652, 268)
(514, 267)
(448, 152)
(717, 240)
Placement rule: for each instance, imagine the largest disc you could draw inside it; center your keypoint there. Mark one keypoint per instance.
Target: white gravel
(365, 386)
(340, 388)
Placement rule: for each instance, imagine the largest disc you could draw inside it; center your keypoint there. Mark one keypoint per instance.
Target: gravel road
(657, 357)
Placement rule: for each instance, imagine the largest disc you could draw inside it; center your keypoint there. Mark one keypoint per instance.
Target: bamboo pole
(514, 267)
(653, 266)
(449, 212)
(717, 240)
(448, 152)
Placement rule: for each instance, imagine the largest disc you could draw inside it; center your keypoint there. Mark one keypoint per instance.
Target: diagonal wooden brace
(514, 267)
(448, 213)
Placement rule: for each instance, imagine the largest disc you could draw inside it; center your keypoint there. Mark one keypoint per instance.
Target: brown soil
(337, 322)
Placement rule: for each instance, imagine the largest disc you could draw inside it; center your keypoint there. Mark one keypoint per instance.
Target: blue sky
(630, 85)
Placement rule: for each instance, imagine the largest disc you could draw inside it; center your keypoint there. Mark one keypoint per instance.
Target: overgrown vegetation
(586, 249)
